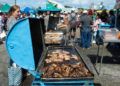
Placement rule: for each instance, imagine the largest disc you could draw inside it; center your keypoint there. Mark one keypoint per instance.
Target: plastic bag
(14, 76)
(2, 35)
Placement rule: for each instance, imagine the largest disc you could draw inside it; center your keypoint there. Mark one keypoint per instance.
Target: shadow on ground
(97, 84)
(106, 59)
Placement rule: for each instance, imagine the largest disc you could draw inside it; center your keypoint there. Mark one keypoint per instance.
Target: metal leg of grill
(98, 50)
(101, 61)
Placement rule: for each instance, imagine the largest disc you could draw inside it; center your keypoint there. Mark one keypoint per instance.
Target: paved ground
(3, 66)
(110, 72)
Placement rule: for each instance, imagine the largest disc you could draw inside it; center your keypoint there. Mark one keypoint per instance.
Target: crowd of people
(86, 20)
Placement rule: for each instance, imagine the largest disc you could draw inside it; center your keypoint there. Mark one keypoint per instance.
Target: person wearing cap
(86, 23)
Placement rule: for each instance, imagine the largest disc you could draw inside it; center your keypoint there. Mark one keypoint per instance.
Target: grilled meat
(62, 64)
(60, 56)
(57, 75)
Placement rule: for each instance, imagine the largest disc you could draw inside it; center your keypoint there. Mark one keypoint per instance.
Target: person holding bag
(14, 71)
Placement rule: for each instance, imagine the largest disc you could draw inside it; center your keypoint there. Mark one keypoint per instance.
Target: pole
(116, 18)
(15, 2)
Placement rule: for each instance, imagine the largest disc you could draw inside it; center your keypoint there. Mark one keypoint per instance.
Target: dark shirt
(51, 23)
(86, 21)
(112, 21)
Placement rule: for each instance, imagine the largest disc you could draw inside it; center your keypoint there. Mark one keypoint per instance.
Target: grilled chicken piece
(47, 60)
(59, 66)
(66, 70)
(65, 52)
(85, 71)
(57, 75)
(67, 57)
(47, 73)
(73, 74)
(74, 57)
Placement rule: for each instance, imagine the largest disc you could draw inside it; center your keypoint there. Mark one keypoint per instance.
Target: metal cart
(25, 46)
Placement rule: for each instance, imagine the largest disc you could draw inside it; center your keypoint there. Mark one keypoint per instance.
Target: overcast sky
(75, 3)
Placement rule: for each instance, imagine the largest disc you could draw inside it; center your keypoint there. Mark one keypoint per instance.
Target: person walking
(86, 22)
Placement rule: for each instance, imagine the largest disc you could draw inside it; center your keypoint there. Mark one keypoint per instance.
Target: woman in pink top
(96, 27)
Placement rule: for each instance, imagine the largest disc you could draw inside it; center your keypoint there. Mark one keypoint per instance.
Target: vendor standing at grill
(86, 34)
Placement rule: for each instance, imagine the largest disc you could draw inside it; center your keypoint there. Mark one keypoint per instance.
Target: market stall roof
(50, 7)
(5, 8)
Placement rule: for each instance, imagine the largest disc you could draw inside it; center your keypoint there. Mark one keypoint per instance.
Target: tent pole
(116, 18)
(15, 2)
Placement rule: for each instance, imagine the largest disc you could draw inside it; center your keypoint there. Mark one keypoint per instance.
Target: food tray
(53, 37)
(73, 51)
